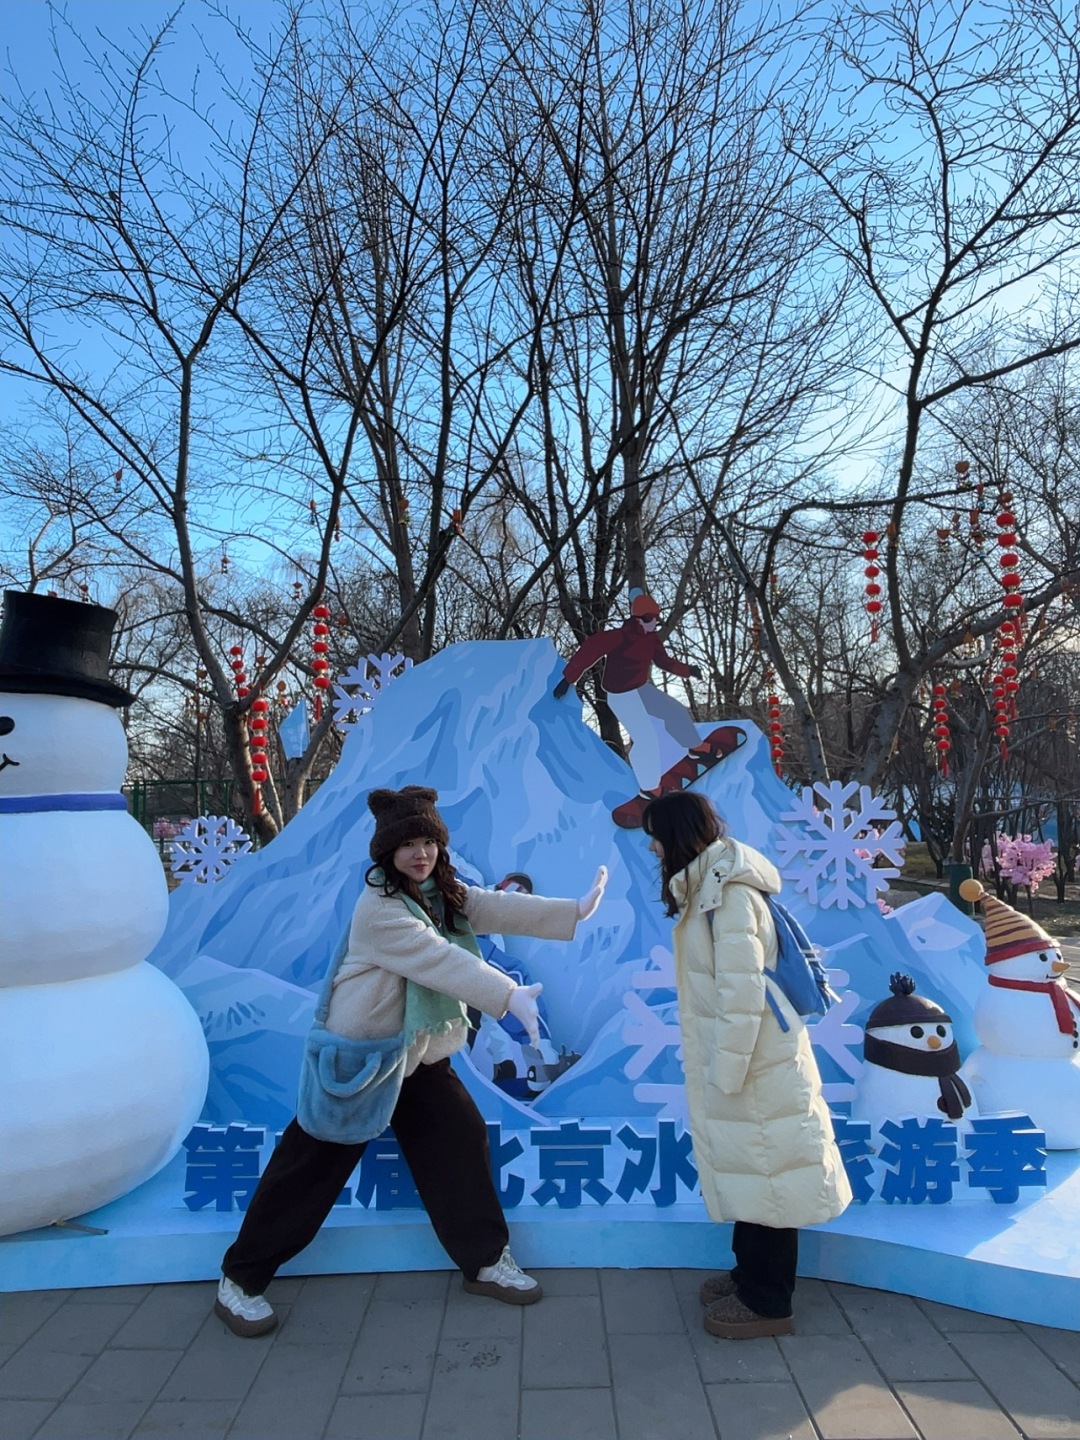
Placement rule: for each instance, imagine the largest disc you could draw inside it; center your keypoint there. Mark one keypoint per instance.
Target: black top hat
(50, 646)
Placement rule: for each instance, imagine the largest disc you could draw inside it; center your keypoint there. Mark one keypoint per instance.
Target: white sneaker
(245, 1315)
(506, 1281)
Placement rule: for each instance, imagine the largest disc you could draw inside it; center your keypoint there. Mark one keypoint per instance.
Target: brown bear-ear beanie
(405, 814)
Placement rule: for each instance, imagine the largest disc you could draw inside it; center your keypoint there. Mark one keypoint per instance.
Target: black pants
(443, 1138)
(765, 1265)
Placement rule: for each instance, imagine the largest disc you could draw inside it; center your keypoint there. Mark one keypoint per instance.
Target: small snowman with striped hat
(1028, 1025)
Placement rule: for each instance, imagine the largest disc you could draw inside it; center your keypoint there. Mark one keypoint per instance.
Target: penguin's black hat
(904, 1007)
(50, 646)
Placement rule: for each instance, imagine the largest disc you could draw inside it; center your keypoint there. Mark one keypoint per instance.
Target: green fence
(159, 805)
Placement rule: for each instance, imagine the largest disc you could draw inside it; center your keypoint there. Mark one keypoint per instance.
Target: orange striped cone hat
(1008, 933)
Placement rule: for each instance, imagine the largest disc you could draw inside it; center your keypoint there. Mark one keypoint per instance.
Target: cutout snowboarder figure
(666, 751)
(1028, 1025)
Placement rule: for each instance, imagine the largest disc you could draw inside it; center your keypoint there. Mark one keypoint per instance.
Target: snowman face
(56, 744)
(927, 1035)
(1039, 965)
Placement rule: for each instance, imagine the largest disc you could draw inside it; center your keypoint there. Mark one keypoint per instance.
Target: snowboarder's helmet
(644, 607)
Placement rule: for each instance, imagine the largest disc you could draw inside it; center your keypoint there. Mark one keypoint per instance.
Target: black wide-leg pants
(765, 1263)
(443, 1138)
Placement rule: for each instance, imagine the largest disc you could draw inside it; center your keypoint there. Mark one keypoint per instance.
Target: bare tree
(953, 172)
(660, 255)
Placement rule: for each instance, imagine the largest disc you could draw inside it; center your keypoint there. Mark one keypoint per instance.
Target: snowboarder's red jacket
(631, 653)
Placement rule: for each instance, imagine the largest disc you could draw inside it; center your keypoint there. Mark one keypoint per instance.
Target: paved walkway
(607, 1355)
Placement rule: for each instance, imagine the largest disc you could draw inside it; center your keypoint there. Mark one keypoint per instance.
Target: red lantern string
(776, 728)
(873, 589)
(257, 726)
(239, 677)
(320, 648)
(1010, 632)
(941, 728)
(755, 625)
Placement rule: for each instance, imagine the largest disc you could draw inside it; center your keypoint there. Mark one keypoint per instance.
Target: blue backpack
(799, 973)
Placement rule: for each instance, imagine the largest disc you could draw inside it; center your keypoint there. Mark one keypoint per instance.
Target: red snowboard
(710, 751)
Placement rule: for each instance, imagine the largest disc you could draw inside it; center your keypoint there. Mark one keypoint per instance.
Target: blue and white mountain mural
(526, 786)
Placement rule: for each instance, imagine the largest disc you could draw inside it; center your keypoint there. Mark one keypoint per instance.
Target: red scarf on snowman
(1060, 995)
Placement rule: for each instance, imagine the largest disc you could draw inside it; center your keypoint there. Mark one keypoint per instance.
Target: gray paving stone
(477, 1316)
(197, 1419)
(640, 1302)
(1062, 1346)
(396, 1347)
(816, 1310)
(1044, 1404)
(568, 1282)
(217, 1365)
(283, 1289)
(847, 1397)
(109, 1420)
(39, 1375)
(567, 1415)
(377, 1417)
(23, 1312)
(950, 1317)
(753, 1362)
(121, 1375)
(564, 1344)
(474, 1391)
(293, 1393)
(168, 1318)
(955, 1410)
(761, 1410)
(657, 1389)
(20, 1418)
(902, 1342)
(415, 1285)
(79, 1329)
(328, 1311)
(110, 1295)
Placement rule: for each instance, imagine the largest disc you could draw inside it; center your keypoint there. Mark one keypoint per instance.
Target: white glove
(588, 903)
(523, 1007)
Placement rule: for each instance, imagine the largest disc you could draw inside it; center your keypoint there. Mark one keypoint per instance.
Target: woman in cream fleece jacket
(411, 967)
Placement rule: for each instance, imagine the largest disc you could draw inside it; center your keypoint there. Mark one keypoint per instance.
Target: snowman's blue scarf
(39, 804)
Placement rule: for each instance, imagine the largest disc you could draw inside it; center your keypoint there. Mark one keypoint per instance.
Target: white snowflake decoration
(357, 691)
(837, 833)
(206, 847)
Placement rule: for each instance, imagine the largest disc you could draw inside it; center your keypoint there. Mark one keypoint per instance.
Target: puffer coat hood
(763, 1138)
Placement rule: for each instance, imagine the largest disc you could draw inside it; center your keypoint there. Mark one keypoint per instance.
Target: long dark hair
(445, 877)
(685, 823)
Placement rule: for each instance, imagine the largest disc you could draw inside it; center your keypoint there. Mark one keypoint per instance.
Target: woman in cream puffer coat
(763, 1139)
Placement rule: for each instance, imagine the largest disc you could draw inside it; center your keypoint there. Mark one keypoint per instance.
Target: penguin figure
(912, 1062)
(1028, 1025)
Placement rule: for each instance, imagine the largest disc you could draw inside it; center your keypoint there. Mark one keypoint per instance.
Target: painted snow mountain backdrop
(525, 785)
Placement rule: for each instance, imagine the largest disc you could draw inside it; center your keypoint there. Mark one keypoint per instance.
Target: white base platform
(1020, 1261)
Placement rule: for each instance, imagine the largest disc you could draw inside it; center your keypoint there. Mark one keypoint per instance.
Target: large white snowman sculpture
(1028, 1025)
(103, 1065)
